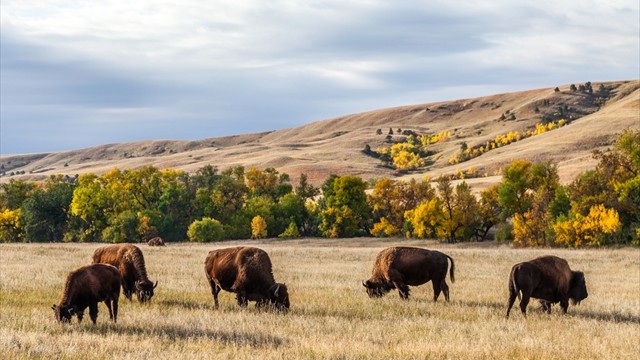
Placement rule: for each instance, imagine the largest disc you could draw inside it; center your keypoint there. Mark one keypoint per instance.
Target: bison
(399, 267)
(245, 271)
(549, 279)
(130, 262)
(86, 287)
(156, 241)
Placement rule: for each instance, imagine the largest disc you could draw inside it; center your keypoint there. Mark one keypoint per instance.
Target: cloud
(77, 74)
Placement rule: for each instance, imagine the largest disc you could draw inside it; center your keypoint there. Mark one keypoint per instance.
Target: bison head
(279, 297)
(144, 290)
(376, 289)
(577, 287)
(63, 313)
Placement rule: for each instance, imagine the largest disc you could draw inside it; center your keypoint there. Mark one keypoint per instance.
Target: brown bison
(156, 241)
(245, 271)
(398, 267)
(86, 287)
(549, 279)
(130, 262)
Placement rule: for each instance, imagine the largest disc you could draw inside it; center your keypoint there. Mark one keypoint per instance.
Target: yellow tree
(258, 227)
(406, 156)
(391, 199)
(590, 230)
(425, 218)
(10, 228)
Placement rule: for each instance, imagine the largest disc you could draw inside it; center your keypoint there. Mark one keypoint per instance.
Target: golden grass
(330, 317)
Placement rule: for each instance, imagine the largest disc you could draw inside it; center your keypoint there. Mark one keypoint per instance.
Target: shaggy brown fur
(549, 279)
(398, 267)
(86, 287)
(130, 262)
(247, 272)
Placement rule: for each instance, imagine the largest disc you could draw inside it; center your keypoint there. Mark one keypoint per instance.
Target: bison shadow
(614, 317)
(185, 304)
(174, 332)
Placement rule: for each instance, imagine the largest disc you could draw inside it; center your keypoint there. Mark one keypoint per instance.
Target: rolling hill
(335, 146)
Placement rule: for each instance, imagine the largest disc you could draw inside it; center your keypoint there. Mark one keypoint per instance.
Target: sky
(75, 74)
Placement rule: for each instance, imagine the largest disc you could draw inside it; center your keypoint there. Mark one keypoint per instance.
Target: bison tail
(452, 270)
(513, 285)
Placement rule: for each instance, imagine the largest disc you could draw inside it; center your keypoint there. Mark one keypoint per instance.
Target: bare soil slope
(335, 146)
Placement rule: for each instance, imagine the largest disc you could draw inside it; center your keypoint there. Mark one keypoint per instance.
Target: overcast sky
(80, 73)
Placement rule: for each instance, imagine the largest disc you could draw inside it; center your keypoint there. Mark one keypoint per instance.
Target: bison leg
(524, 302)
(93, 311)
(80, 315)
(564, 304)
(403, 290)
(108, 303)
(215, 290)
(445, 290)
(115, 307)
(512, 299)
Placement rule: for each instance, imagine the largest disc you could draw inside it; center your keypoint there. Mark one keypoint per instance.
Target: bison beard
(399, 267)
(245, 271)
(548, 279)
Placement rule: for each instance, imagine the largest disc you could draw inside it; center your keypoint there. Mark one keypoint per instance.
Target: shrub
(290, 232)
(504, 232)
(384, 229)
(205, 230)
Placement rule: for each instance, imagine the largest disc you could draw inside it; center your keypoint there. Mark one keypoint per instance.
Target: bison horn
(154, 285)
(276, 291)
(363, 284)
(53, 307)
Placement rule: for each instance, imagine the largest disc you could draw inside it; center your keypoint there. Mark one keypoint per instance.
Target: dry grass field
(331, 317)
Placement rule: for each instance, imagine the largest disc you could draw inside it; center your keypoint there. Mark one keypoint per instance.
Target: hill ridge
(335, 145)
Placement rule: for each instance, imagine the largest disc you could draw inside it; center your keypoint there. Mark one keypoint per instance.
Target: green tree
(93, 204)
(346, 196)
(513, 191)
(489, 212)
(306, 190)
(45, 211)
(14, 193)
(289, 209)
(261, 206)
(122, 228)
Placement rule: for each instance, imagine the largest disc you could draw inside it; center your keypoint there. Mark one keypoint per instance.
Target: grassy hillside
(331, 316)
(335, 145)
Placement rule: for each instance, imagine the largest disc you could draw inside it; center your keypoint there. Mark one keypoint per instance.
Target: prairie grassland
(330, 316)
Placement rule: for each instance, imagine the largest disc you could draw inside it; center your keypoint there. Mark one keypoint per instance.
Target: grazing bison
(86, 287)
(399, 267)
(549, 279)
(245, 271)
(130, 262)
(156, 241)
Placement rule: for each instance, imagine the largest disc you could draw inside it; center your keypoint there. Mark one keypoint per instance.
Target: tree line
(529, 206)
